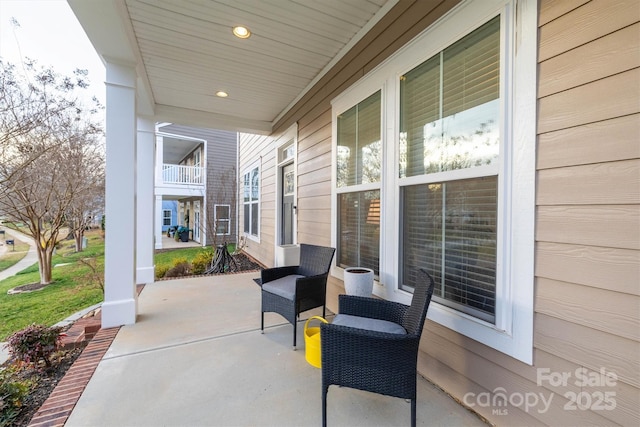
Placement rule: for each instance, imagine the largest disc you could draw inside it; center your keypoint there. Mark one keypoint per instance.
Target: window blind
(359, 161)
(449, 115)
(359, 147)
(449, 106)
(359, 229)
(450, 228)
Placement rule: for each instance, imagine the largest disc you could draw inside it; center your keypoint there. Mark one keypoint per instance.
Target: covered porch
(196, 357)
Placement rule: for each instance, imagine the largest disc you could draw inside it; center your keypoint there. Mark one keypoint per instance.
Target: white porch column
(120, 297)
(159, 159)
(145, 201)
(158, 222)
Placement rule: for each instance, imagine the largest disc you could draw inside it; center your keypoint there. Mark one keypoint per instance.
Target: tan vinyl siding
(588, 197)
(257, 150)
(587, 256)
(314, 180)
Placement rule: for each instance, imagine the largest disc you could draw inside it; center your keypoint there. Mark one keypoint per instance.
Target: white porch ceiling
(175, 149)
(185, 52)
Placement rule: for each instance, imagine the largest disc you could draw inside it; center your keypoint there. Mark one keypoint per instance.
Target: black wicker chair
(289, 291)
(381, 358)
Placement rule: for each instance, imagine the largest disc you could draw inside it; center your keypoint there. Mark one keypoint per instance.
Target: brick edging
(56, 409)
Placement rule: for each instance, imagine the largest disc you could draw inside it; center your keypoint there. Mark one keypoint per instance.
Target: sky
(50, 33)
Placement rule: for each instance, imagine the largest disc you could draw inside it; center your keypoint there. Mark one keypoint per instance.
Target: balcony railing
(180, 174)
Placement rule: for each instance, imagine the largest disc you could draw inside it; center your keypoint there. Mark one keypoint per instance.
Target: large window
(442, 175)
(358, 169)
(222, 219)
(251, 202)
(449, 118)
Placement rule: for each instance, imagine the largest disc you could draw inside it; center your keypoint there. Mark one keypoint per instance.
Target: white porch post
(120, 297)
(159, 159)
(159, 141)
(145, 180)
(158, 222)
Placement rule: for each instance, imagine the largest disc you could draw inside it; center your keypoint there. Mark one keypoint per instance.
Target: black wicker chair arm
(311, 285)
(372, 308)
(270, 274)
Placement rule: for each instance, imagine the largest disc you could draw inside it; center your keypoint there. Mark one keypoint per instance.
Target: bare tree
(88, 169)
(221, 191)
(44, 129)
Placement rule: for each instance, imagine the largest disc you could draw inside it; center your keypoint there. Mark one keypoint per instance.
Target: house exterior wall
(170, 205)
(257, 150)
(588, 197)
(221, 184)
(587, 272)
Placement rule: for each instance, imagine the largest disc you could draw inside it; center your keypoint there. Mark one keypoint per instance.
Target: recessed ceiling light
(222, 94)
(241, 32)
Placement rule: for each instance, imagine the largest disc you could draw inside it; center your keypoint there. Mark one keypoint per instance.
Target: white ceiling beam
(203, 119)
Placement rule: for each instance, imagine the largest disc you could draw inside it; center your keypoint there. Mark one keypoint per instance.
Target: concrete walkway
(29, 259)
(196, 357)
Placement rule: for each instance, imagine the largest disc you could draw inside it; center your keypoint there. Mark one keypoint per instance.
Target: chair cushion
(284, 286)
(368, 324)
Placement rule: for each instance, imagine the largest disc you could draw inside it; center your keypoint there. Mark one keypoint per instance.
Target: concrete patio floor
(196, 357)
(171, 243)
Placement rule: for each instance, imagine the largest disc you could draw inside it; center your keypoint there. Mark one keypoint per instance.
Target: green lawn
(167, 257)
(73, 289)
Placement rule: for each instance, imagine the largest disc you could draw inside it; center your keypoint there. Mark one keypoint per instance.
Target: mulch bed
(46, 380)
(29, 287)
(243, 264)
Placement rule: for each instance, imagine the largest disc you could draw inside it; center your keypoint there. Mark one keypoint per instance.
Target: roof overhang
(184, 51)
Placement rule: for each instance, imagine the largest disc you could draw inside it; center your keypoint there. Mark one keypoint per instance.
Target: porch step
(82, 330)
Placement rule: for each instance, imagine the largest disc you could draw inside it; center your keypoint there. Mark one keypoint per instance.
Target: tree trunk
(44, 263)
(79, 235)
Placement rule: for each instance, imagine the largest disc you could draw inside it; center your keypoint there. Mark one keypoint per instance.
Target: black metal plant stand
(223, 261)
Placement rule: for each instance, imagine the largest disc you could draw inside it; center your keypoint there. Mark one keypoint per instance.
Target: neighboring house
(169, 214)
(195, 185)
(495, 143)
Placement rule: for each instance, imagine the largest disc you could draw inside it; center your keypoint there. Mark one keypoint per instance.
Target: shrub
(202, 261)
(13, 390)
(161, 270)
(180, 260)
(34, 343)
(95, 275)
(179, 269)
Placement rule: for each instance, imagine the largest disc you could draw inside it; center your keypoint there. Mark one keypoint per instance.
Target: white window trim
(254, 165)
(288, 138)
(228, 220)
(364, 92)
(513, 332)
